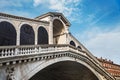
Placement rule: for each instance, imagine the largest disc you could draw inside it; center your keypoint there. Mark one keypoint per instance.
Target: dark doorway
(27, 36)
(7, 34)
(42, 36)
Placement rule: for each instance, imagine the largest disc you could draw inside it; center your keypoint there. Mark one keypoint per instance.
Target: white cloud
(67, 7)
(103, 43)
(37, 2)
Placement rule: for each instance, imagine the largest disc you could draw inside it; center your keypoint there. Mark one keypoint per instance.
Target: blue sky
(95, 23)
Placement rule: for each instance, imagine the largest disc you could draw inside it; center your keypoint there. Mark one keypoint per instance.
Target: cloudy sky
(95, 23)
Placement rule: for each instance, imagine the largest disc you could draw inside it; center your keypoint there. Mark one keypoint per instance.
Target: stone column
(67, 34)
(18, 38)
(51, 30)
(18, 33)
(36, 36)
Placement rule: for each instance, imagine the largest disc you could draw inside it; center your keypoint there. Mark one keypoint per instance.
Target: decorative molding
(10, 73)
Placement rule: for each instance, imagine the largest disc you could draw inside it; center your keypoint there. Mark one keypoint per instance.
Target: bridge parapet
(11, 55)
(12, 51)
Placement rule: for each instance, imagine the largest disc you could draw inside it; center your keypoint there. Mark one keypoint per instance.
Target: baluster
(2, 53)
(31, 50)
(21, 50)
(28, 50)
(6, 52)
(9, 54)
(25, 51)
(16, 51)
(12, 52)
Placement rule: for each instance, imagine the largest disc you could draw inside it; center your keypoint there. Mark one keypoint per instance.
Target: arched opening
(27, 36)
(58, 30)
(42, 36)
(79, 47)
(65, 70)
(7, 34)
(72, 43)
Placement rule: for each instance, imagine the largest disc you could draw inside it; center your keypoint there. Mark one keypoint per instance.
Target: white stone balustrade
(10, 51)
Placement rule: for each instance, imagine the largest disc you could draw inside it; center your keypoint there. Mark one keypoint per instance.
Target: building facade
(112, 68)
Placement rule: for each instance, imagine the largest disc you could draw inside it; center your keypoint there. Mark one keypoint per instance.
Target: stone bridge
(43, 49)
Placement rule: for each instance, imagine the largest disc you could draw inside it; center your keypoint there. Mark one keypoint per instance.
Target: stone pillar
(51, 30)
(67, 34)
(36, 36)
(18, 37)
(17, 25)
(66, 29)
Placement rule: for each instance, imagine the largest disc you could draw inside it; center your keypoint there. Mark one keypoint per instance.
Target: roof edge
(54, 14)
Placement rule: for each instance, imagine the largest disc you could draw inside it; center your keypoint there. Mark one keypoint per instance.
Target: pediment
(54, 14)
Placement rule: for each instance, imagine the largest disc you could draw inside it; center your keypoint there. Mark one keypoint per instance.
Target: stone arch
(7, 34)
(42, 36)
(27, 35)
(58, 29)
(56, 60)
(72, 43)
(65, 70)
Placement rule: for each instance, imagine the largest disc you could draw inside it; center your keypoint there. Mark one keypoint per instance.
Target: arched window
(79, 47)
(42, 36)
(72, 43)
(27, 36)
(7, 34)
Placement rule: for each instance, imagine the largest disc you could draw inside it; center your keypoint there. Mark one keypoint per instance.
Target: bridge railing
(10, 51)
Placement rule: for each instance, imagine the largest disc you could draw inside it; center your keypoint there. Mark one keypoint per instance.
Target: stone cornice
(21, 18)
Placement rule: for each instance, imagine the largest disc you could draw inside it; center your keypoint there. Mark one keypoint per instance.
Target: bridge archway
(58, 30)
(42, 35)
(27, 36)
(45, 64)
(65, 70)
(7, 34)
